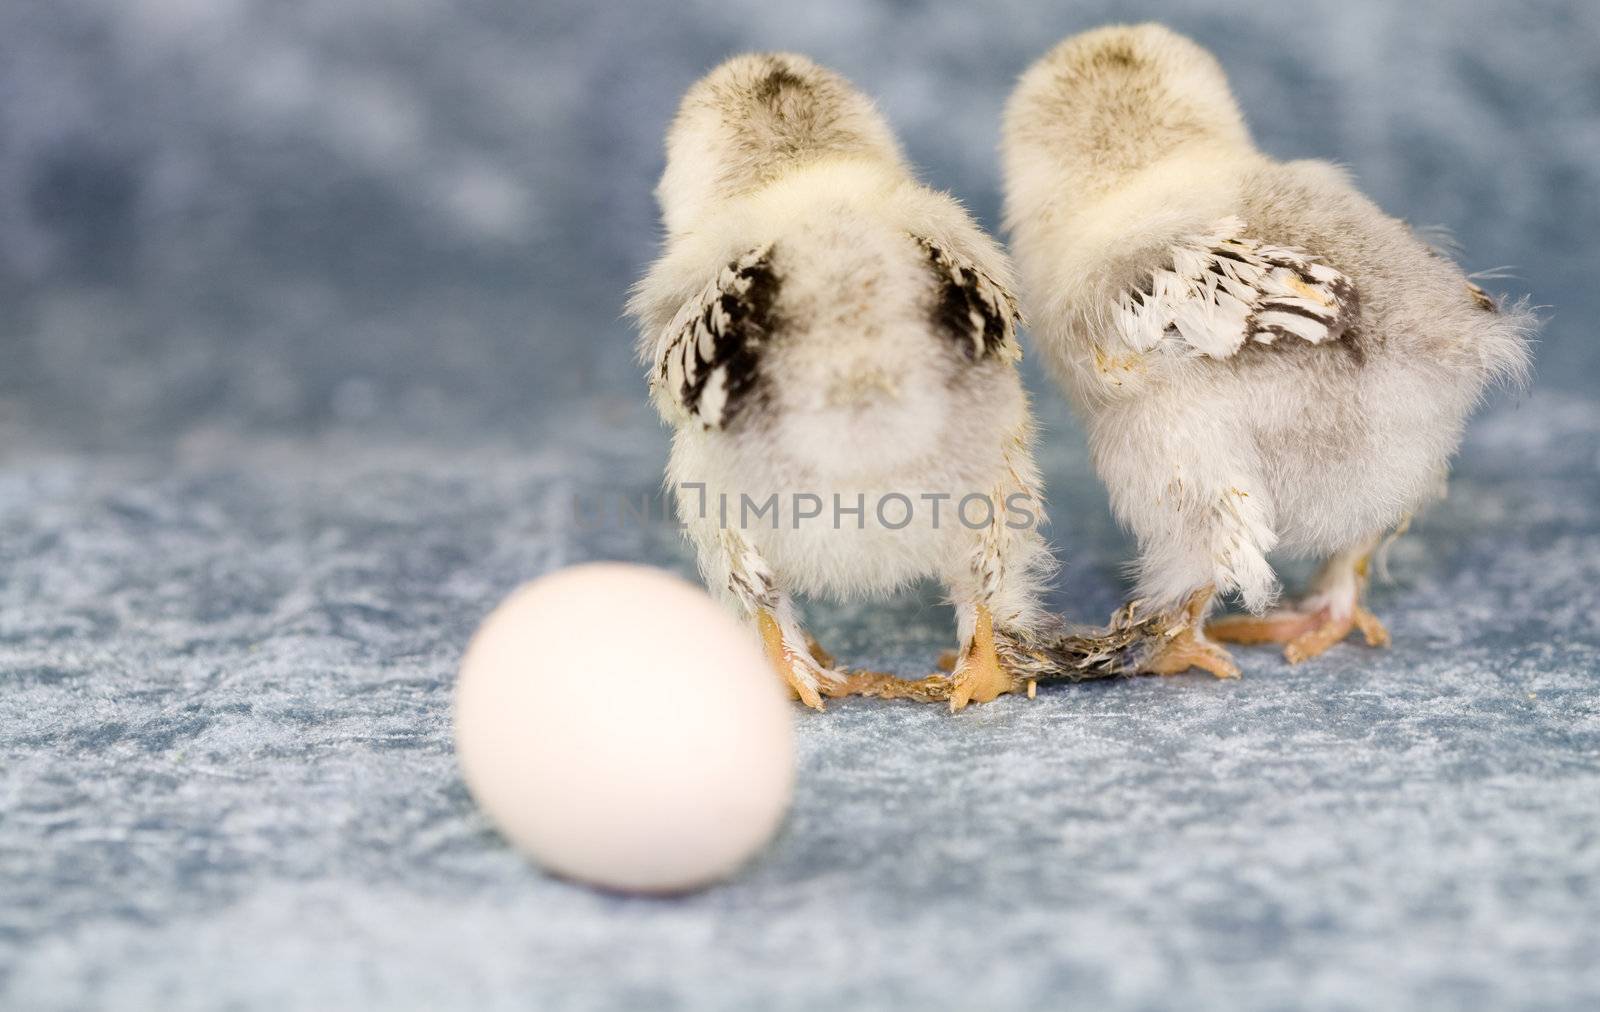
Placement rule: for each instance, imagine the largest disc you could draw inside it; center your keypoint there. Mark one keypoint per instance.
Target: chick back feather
(1223, 288)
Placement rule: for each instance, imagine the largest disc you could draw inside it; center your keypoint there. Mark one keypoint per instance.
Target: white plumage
(1224, 289)
(822, 329)
(1262, 358)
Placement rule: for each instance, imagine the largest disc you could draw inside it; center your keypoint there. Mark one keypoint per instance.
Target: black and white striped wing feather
(1224, 288)
(707, 359)
(971, 307)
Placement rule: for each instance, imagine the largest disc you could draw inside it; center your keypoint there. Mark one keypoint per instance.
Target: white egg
(623, 729)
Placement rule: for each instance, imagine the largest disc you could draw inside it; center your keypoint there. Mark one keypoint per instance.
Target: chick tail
(1505, 350)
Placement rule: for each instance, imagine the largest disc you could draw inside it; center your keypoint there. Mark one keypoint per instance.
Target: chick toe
(979, 675)
(1277, 627)
(803, 678)
(1187, 649)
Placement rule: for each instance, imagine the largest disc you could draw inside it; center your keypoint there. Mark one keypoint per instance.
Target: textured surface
(310, 341)
(227, 772)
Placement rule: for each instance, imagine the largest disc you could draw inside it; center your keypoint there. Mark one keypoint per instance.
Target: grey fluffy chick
(1263, 359)
(821, 330)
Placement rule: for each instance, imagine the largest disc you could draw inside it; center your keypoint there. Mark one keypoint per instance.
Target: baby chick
(833, 346)
(1263, 359)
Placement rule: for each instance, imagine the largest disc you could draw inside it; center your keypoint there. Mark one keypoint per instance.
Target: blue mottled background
(309, 333)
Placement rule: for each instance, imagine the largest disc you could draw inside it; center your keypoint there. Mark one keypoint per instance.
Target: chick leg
(979, 675)
(1006, 561)
(1336, 603)
(836, 683)
(1186, 645)
(810, 671)
(1332, 611)
(798, 670)
(751, 582)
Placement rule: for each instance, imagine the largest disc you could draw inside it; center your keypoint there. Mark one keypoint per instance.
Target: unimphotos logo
(793, 510)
